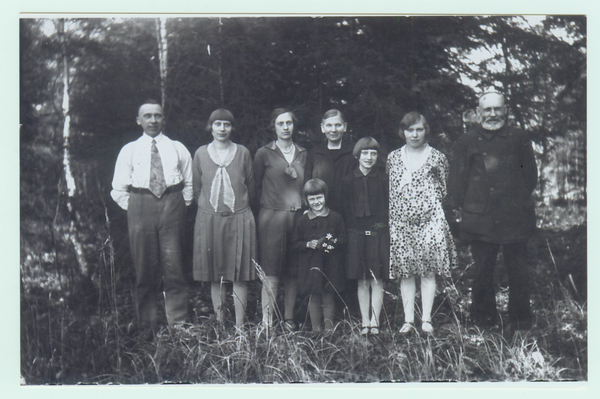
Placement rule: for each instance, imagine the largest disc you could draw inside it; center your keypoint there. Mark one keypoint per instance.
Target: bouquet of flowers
(327, 243)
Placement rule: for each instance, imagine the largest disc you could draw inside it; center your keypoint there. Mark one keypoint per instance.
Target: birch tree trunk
(69, 179)
(161, 36)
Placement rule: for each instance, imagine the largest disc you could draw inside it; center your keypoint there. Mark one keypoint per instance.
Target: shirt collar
(312, 215)
(149, 139)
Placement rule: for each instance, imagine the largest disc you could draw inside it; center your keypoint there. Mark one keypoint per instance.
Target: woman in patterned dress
(225, 231)
(420, 239)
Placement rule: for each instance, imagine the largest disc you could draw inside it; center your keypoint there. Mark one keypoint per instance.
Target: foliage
(374, 69)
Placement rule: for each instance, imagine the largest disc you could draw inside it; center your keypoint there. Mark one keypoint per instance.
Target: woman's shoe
(374, 330)
(426, 327)
(364, 331)
(407, 328)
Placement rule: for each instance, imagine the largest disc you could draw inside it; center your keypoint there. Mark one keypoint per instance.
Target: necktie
(157, 176)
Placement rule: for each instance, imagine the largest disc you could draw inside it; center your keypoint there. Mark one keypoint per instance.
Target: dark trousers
(484, 310)
(156, 228)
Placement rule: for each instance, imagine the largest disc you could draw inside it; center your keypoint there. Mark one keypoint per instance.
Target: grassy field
(84, 332)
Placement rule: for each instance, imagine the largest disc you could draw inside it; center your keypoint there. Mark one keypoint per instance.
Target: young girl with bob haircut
(319, 239)
(421, 243)
(365, 194)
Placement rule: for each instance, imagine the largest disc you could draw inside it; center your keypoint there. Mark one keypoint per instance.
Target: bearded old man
(491, 183)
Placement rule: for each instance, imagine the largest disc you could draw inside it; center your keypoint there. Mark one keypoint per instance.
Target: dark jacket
(331, 166)
(492, 178)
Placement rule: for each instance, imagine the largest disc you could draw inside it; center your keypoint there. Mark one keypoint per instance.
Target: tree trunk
(161, 36)
(69, 179)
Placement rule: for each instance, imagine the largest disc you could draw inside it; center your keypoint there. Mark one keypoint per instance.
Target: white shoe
(407, 328)
(426, 327)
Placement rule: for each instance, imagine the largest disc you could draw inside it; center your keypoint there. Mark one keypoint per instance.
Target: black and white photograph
(229, 199)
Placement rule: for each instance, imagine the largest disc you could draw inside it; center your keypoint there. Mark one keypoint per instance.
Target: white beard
(492, 126)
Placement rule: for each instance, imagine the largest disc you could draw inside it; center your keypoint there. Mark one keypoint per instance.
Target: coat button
(492, 189)
(485, 154)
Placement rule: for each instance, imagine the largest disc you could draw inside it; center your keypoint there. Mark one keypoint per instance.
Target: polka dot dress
(420, 239)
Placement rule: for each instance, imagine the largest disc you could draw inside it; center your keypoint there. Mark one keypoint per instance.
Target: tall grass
(65, 341)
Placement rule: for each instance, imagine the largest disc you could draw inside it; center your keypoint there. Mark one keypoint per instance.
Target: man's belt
(171, 189)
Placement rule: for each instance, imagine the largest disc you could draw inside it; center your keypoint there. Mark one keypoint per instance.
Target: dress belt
(171, 189)
(290, 209)
(225, 213)
(363, 232)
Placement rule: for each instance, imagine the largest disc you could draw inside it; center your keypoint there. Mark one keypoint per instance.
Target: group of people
(339, 211)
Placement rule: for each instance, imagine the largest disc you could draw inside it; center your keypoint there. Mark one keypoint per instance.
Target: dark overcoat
(492, 178)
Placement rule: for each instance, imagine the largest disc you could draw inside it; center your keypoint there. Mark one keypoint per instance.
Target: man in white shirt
(153, 183)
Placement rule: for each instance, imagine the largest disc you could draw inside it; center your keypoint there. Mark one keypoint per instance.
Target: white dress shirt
(133, 167)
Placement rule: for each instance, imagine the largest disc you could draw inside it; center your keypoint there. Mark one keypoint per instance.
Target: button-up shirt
(133, 167)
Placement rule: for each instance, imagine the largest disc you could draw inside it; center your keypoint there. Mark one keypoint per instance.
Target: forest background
(374, 69)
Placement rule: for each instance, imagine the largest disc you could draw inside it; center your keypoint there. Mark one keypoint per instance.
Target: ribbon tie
(222, 181)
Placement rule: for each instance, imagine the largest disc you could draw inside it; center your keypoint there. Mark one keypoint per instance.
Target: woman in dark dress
(279, 172)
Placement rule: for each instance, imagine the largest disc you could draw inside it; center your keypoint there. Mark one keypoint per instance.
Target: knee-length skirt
(224, 246)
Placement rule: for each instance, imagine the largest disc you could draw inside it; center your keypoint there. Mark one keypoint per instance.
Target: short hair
(333, 112)
(366, 143)
(149, 101)
(314, 187)
(279, 111)
(412, 118)
(220, 114)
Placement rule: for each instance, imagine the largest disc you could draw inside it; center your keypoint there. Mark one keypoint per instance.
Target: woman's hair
(366, 143)
(412, 118)
(278, 111)
(314, 187)
(220, 114)
(333, 112)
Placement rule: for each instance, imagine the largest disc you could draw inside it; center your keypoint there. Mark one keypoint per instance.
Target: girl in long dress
(225, 231)
(421, 243)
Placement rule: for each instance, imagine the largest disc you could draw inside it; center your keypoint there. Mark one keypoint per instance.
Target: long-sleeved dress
(365, 211)
(320, 270)
(225, 230)
(420, 239)
(279, 185)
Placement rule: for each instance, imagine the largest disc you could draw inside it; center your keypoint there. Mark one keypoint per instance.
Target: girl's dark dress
(320, 271)
(365, 207)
